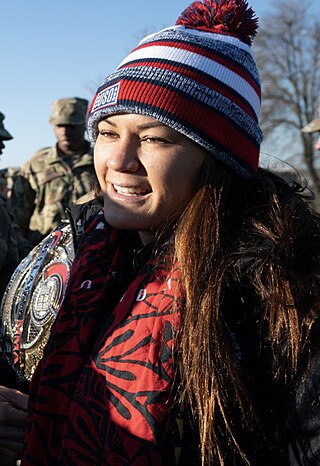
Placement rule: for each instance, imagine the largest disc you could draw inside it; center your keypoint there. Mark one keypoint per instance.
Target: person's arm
(22, 201)
(4, 219)
(9, 256)
(21, 206)
(13, 416)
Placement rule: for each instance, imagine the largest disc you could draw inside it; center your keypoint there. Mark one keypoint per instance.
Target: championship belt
(32, 300)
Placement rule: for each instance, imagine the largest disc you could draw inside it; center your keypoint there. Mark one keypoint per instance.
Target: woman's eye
(154, 140)
(106, 134)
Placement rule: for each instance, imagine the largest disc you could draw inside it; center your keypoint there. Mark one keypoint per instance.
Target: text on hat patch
(106, 97)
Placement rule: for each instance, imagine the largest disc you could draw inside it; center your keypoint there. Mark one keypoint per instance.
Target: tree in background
(287, 49)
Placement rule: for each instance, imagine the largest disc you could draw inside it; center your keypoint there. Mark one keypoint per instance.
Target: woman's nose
(124, 158)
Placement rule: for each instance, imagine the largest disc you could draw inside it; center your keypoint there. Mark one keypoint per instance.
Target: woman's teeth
(127, 191)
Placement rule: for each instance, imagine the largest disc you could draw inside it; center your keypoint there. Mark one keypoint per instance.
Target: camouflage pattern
(314, 125)
(69, 111)
(7, 178)
(4, 134)
(3, 184)
(9, 256)
(46, 185)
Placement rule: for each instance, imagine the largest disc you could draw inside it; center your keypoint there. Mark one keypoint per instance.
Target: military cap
(4, 134)
(69, 111)
(313, 125)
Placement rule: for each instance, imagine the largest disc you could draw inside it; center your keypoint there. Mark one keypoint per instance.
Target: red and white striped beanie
(199, 77)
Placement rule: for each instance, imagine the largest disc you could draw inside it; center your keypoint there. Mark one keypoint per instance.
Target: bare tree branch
(287, 49)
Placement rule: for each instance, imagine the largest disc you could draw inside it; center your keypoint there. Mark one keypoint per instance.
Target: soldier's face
(70, 138)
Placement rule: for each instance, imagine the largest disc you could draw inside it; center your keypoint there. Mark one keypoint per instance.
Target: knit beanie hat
(199, 77)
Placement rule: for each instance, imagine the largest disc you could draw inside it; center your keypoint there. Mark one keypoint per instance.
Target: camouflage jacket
(9, 257)
(7, 177)
(48, 184)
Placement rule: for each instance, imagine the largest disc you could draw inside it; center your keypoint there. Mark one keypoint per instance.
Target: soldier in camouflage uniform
(56, 176)
(9, 257)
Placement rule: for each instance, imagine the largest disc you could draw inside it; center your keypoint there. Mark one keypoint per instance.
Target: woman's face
(146, 170)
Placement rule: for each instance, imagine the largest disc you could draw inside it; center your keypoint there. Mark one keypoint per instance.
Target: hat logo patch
(106, 97)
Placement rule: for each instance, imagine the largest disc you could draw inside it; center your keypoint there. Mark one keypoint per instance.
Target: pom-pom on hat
(199, 77)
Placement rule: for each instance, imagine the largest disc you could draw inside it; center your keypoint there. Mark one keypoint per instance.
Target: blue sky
(64, 48)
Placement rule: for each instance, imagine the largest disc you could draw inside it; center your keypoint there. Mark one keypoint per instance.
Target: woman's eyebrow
(151, 124)
(106, 120)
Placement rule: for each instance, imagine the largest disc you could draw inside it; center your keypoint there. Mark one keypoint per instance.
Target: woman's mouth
(131, 191)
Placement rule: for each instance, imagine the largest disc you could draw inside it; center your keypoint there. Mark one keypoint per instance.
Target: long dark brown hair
(254, 244)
